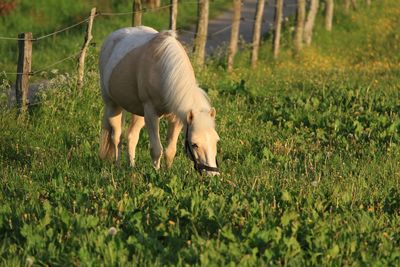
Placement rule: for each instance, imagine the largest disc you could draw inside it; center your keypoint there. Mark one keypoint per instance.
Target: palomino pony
(149, 74)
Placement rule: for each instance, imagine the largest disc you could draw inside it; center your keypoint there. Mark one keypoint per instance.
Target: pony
(148, 74)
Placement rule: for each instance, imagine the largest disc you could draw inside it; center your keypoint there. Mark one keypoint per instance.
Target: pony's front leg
(152, 124)
(137, 124)
(174, 128)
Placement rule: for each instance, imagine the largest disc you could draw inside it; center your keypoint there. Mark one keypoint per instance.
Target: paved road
(219, 31)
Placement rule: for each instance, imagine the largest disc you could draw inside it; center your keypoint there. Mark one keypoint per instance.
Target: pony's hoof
(156, 165)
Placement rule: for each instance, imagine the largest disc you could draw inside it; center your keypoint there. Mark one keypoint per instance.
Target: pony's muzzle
(207, 170)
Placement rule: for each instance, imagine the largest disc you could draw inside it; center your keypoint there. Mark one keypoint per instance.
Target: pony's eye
(195, 146)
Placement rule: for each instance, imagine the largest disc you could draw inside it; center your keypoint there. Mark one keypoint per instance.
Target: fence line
(144, 10)
(68, 28)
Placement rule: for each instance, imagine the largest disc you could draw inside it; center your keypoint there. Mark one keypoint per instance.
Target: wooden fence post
(23, 70)
(328, 14)
(82, 55)
(354, 4)
(199, 47)
(137, 13)
(257, 32)
(278, 26)
(153, 3)
(301, 14)
(173, 14)
(346, 6)
(309, 25)
(237, 4)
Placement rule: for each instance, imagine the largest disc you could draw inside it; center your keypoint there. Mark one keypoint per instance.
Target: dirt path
(219, 30)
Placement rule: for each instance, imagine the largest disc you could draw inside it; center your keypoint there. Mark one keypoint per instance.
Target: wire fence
(106, 14)
(109, 14)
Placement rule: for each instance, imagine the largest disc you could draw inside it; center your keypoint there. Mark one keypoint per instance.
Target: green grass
(309, 153)
(46, 16)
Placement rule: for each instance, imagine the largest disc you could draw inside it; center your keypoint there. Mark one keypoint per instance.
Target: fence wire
(56, 63)
(46, 35)
(43, 68)
(144, 10)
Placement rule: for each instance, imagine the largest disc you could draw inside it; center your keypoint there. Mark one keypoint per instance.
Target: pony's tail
(107, 148)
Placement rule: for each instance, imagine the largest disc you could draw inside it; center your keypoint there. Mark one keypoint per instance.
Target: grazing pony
(149, 74)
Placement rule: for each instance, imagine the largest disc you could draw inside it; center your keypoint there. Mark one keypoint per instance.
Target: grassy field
(309, 152)
(42, 17)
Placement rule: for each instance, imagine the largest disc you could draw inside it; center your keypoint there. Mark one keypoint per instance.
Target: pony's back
(117, 45)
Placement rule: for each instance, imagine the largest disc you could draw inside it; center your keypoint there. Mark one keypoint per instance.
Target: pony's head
(201, 141)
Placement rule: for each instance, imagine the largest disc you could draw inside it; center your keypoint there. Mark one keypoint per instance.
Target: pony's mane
(182, 92)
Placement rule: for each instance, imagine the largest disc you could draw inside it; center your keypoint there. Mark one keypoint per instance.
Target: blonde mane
(182, 92)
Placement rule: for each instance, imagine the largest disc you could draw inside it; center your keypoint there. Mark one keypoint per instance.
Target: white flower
(112, 231)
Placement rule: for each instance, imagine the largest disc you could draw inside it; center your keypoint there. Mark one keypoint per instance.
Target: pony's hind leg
(137, 124)
(152, 124)
(174, 128)
(111, 132)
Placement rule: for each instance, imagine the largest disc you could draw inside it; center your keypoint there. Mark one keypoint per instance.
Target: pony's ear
(189, 117)
(213, 112)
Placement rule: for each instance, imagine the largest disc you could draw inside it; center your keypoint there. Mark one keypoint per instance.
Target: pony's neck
(178, 79)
